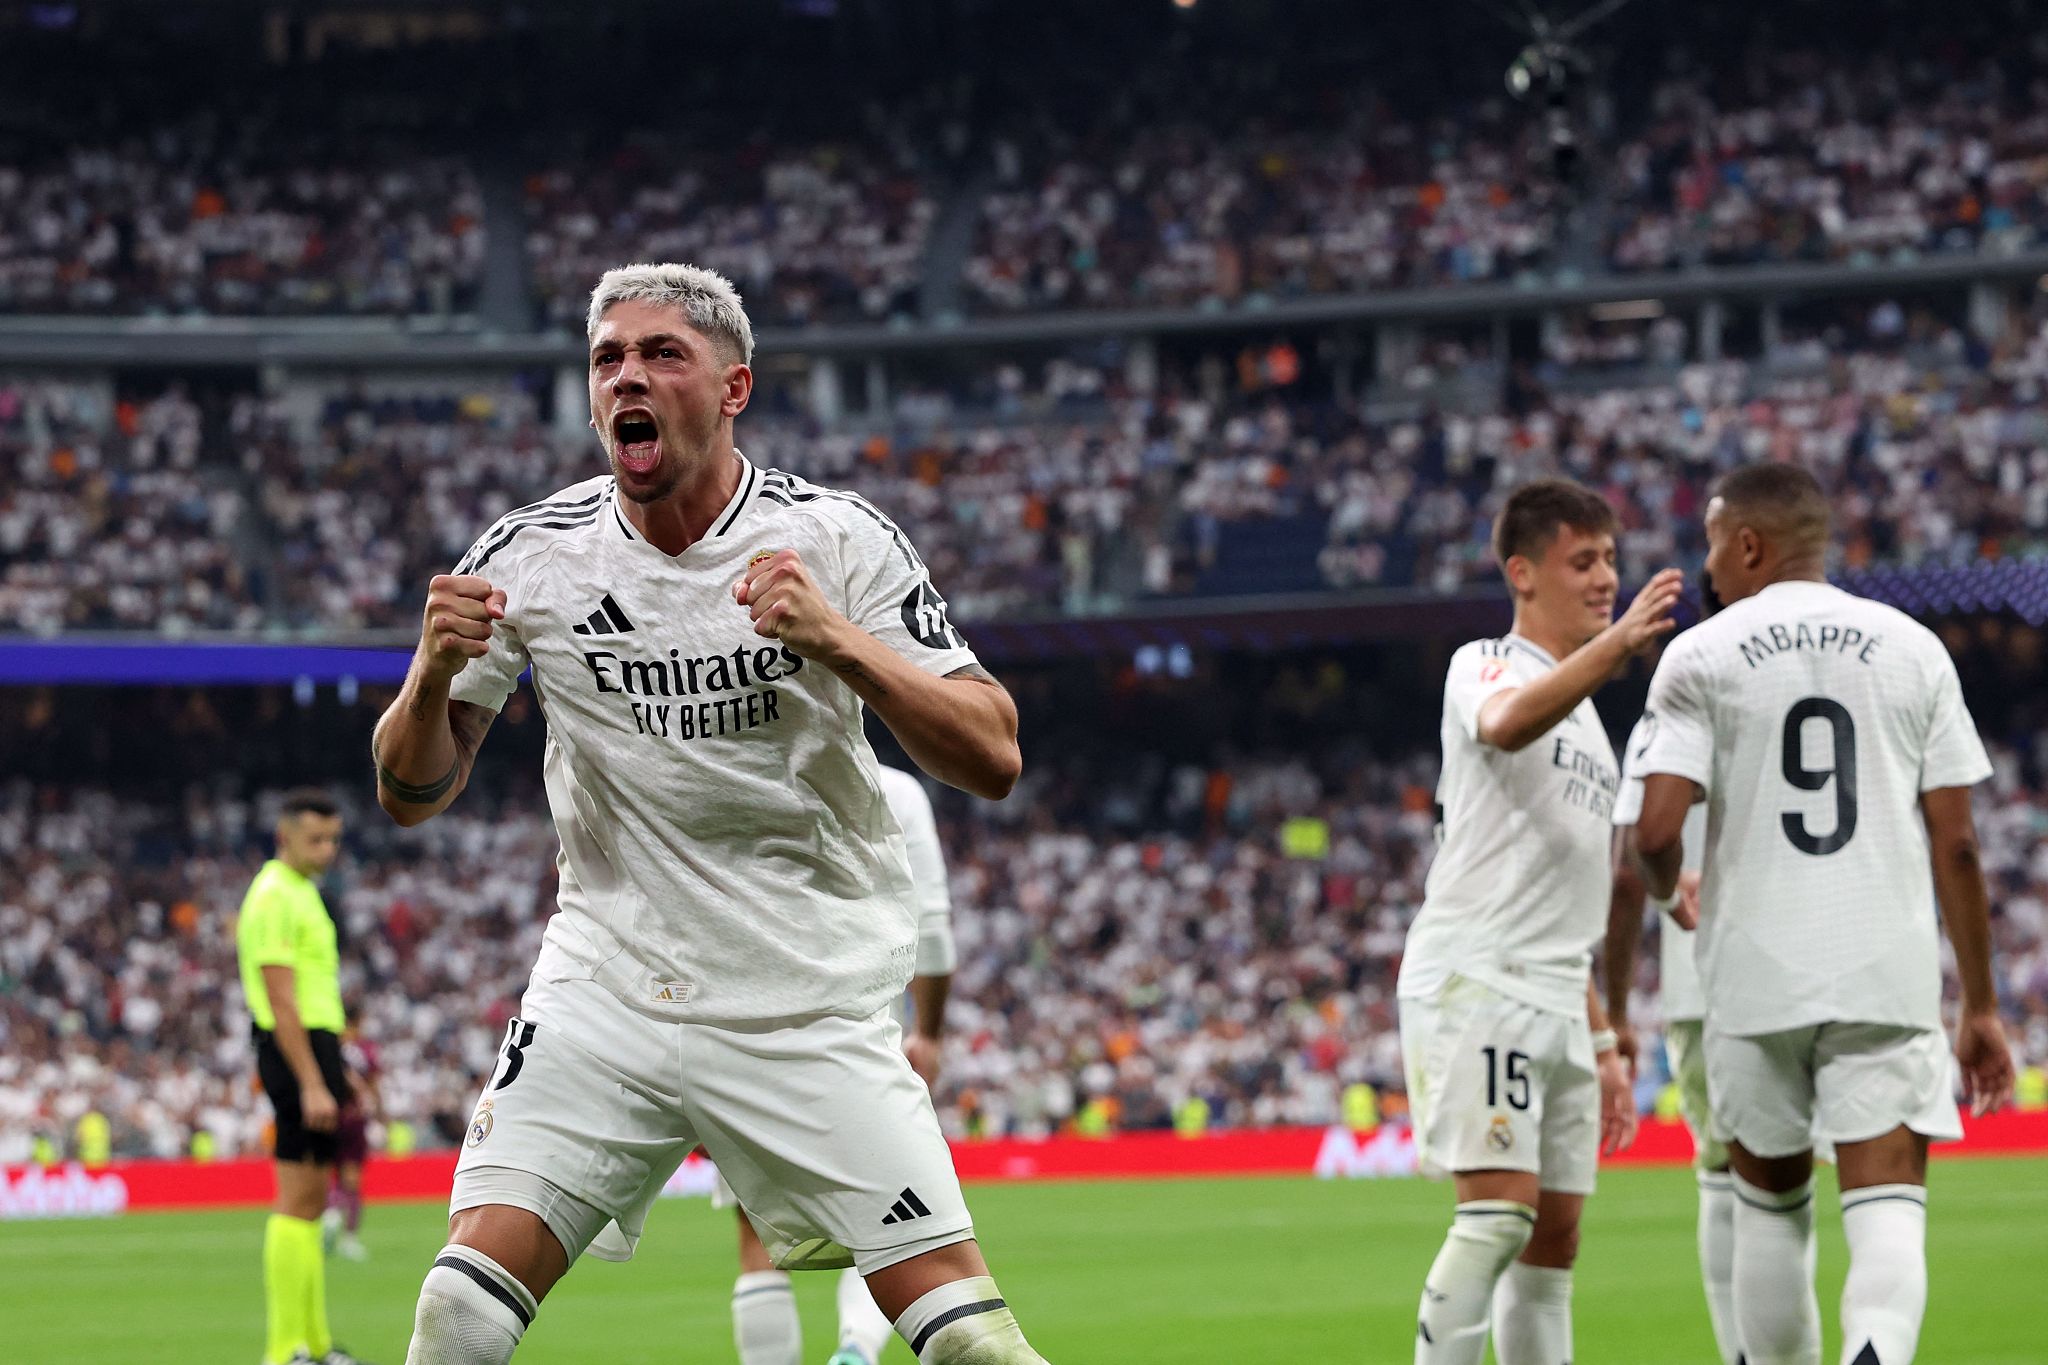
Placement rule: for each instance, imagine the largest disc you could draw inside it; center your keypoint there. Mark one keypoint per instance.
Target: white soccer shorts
(1778, 1093)
(1685, 1051)
(1494, 1084)
(821, 1127)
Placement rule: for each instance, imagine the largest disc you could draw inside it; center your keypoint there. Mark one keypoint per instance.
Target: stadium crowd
(833, 232)
(221, 217)
(1214, 179)
(1076, 492)
(1136, 930)
(1810, 160)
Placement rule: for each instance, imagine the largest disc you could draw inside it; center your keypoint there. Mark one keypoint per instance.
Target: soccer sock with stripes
(1886, 1294)
(291, 1258)
(1775, 1307)
(965, 1323)
(1485, 1237)
(472, 1311)
(1717, 1260)
(765, 1327)
(862, 1325)
(1532, 1315)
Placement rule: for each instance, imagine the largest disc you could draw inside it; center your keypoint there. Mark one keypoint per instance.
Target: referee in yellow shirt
(290, 977)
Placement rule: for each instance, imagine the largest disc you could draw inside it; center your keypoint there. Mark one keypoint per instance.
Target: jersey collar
(1537, 651)
(728, 516)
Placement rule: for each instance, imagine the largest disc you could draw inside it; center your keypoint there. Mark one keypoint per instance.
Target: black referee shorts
(296, 1142)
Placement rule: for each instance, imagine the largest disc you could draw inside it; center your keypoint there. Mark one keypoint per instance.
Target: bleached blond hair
(705, 297)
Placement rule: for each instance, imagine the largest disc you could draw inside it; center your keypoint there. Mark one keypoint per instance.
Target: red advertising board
(1335, 1153)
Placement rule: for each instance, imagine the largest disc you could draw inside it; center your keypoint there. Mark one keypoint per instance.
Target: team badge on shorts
(1499, 1136)
(480, 1126)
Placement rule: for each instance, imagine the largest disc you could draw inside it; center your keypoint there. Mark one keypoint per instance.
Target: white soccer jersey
(1814, 719)
(727, 850)
(1678, 972)
(1518, 893)
(913, 811)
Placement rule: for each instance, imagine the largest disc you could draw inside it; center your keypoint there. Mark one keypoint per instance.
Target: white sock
(1775, 1308)
(862, 1325)
(765, 1326)
(471, 1311)
(1532, 1316)
(1886, 1295)
(1717, 1260)
(965, 1323)
(1485, 1237)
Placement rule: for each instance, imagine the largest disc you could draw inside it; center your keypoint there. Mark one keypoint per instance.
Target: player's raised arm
(961, 727)
(1966, 911)
(1518, 717)
(426, 743)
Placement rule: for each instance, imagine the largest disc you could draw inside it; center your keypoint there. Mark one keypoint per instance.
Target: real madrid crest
(1500, 1137)
(480, 1125)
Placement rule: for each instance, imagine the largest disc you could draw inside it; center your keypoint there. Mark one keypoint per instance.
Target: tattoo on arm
(416, 794)
(854, 673)
(469, 723)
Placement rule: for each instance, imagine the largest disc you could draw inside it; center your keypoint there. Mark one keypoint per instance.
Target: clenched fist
(457, 626)
(785, 604)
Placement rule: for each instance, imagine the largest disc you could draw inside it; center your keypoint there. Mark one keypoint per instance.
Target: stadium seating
(1932, 456)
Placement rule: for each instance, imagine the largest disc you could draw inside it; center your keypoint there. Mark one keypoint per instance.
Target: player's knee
(1493, 1231)
(1555, 1245)
(472, 1311)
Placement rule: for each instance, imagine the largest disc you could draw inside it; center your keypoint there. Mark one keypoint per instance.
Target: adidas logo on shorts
(606, 620)
(906, 1207)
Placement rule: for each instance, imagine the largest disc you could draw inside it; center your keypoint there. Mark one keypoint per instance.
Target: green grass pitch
(1263, 1272)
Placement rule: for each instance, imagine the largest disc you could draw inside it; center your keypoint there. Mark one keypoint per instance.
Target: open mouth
(639, 441)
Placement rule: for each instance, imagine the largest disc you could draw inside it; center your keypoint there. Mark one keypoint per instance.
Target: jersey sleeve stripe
(504, 527)
(489, 552)
(780, 483)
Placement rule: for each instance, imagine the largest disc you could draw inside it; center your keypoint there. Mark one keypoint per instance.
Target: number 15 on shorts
(1507, 1076)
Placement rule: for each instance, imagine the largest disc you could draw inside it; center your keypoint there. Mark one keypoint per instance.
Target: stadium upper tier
(1169, 196)
(1077, 493)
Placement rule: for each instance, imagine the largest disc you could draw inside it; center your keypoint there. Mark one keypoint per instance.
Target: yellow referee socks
(294, 1282)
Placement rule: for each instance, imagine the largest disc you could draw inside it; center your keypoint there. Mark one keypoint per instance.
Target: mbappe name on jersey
(680, 676)
(1821, 638)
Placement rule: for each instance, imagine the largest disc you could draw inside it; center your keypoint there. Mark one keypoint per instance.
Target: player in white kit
(1828, 738)
(735, 908)
(1513, 1077)
(765, 1326)
(1684, 1009)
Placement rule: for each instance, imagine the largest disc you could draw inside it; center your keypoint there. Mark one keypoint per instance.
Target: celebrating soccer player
(1514, 1079)
(1828, 738)
(291, 983)
(736, 910)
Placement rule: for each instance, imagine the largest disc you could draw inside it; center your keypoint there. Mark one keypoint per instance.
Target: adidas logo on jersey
(906, 1207)
(606, 620)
